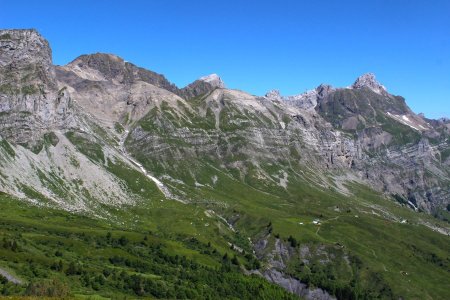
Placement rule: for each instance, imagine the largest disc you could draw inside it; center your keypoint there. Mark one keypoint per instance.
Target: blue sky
(260, 45)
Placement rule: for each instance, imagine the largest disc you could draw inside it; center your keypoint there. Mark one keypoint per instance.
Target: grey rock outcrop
(10, 277)
(295, 286)
(306, 101)
(102, 68)
(278, 257)
(38, 161)
(30, 103)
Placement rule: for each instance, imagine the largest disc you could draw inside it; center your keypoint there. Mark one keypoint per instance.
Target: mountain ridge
(125, 93)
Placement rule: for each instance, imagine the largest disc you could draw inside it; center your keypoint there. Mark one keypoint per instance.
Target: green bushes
(5, 36)
(91, 149)
(29, 90)
(77, 255)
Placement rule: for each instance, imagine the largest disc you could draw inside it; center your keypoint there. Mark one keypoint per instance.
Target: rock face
(320, 121)
(278, 257)
(30, 103)
(295, 286)
(117, 91)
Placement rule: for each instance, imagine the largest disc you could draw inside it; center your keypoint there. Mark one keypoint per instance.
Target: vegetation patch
(402, 134)
(137, 182)
(9, 89)
(119, 128)
(5, 36)
(29, 90)
(88, 147)
(50, 138)
(7, 148)
(445, 154)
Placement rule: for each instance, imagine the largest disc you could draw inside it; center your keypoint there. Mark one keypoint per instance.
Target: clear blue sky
(260, 45)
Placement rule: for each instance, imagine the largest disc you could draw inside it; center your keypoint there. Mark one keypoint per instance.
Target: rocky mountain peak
(214, 80)
(17, 45)
(23, 51)
(201, 86)
(93, 60)
(368, 80)
(112, 68)
(30, 102)
(324, 89)
(98, 66)
(274, 95)
(444, 120)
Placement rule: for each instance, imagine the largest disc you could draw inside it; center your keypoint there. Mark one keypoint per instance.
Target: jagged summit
(274, 95)
(368, 80)
(214, 80)
(24, 44)
(306, 100)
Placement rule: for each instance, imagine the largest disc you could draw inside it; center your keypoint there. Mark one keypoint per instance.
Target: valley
(117, 184)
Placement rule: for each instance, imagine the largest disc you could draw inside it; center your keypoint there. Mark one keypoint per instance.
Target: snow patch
(406, 121)
(158, 183)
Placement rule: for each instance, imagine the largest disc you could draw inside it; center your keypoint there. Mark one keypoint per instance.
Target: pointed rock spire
(214, 80)
(274, 95)
(368, 80)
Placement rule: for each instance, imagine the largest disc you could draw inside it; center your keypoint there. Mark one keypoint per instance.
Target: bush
(54, 288)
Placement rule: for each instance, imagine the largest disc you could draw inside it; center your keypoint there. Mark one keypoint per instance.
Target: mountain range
(334, 193)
